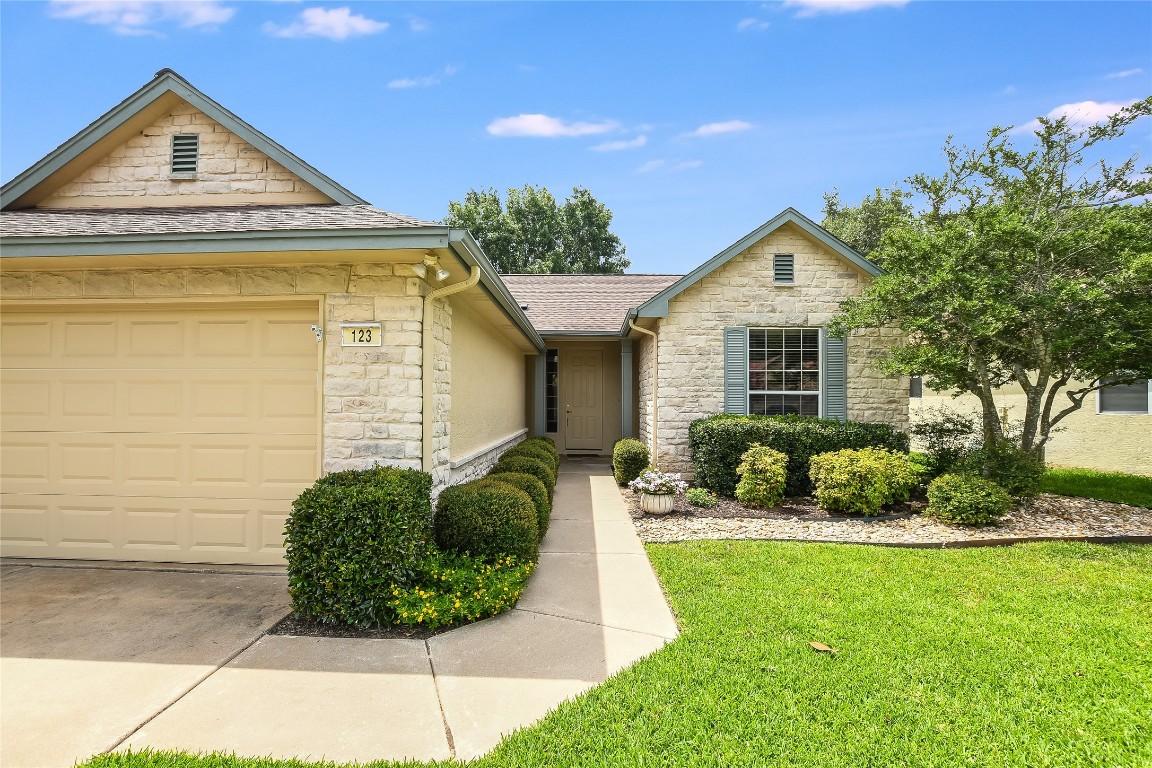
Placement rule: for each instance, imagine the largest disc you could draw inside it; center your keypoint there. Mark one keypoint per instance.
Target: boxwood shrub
(528, 465)
(546, 443)
(487, 519)
(534, 451)
(533, 487)
(352, 535)
(718, 442)
(966, 500)
(629, 458)
(862, 481)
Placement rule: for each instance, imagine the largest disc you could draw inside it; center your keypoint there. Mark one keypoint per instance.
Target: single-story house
(196, 324)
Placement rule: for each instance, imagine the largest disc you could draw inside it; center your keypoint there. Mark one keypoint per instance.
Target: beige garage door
(177, 432)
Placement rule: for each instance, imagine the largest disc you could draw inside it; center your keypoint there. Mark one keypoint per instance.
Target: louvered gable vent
(782, 268)
(185, 152)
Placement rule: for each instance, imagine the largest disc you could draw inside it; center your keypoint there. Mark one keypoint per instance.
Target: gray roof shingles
(588, 303)
(80, 222)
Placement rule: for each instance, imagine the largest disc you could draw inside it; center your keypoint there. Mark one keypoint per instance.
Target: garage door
(177, 432)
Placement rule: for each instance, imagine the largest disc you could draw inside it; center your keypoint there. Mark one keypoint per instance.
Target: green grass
(1106, 486)
(1037, 655)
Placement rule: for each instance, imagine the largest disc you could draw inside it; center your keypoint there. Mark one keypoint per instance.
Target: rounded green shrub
(487, 519)
(546, 443)
(350, 536)
(701, 497)
(538, 469)
(862, 481)
(534, 451)
(763, 472)
(966, 500)
(1016, 471)
(629, 458)
(534, 488)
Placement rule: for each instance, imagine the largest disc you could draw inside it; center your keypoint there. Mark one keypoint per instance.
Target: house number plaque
(360, 335)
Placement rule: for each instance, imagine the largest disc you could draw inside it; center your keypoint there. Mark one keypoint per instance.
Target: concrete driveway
(91, 651)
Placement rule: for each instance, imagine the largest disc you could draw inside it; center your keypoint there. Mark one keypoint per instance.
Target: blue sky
(693, 122)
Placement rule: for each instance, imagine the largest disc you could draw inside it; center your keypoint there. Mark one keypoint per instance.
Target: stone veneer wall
(441, 395)
(742, 293)
(477, 465)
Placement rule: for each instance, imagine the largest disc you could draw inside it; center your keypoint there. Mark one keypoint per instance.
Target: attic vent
(783, 270)
(185, 152)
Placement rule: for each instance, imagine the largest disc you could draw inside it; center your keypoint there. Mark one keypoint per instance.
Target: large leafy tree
(529, 232)
(1029, 266)
(862, 226)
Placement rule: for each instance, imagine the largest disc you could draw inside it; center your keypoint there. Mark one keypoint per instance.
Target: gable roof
(657, 306)
(142, 107)
(589, 305)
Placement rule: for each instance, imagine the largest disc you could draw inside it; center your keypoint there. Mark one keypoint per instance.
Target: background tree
(531, 233)
(1027, 267)
(862, 226)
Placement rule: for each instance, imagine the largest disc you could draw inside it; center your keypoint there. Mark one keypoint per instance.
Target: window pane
(791, 381)
(775, 361)
(756, 380)
(811, 358)
(1125, 398)
(792, 360)
(811, 338)
(809, 405)
(756, 359)
(756, 338)
(774, 338)
(766, 405)
(811, 381)
(792, 339)
(774, 381)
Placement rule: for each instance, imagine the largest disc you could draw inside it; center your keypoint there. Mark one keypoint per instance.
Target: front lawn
(1106, 486)
(1037, 655)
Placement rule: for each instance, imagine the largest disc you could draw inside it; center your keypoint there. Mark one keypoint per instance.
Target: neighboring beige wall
(231, 172)
(1101, 441)
(610, 395)
(487, 384)
(742, 293)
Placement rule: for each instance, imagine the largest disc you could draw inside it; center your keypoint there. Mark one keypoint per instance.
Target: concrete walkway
(592, 608)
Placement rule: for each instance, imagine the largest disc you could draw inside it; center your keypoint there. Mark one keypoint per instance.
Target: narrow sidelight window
(185, 152)
(552, 391)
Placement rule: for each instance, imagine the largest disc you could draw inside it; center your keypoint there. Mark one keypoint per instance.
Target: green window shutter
(736, 370)
(835, 377)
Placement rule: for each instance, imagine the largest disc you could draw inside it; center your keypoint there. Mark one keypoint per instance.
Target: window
(916, 386)
(783, 268)
(1125, 398)
(185, 152)
(784, 371)
(551, 391)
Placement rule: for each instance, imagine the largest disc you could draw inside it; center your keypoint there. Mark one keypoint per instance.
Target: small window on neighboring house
(916, 386)
(783, 269)
(552, 391)
(185, 153)
(1125, 398)
(784, 371)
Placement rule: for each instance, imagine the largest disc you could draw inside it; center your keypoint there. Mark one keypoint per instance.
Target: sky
(694, 123)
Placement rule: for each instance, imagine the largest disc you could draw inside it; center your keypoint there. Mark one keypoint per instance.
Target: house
(196, 324)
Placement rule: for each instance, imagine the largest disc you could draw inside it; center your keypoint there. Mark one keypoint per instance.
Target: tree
(863, 226)
(1028, 267)
(531, 233)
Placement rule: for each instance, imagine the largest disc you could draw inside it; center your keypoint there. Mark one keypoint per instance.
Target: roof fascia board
(657, 306)
(562, 333)
(166, 81)
(465, 246)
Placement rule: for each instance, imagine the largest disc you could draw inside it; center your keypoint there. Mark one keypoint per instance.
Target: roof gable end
(115, 126)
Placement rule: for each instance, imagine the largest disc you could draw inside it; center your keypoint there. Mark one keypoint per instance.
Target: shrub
(862, 481)
(718, 442)
(966, 500)
(455, 588)
(1016, 471)
(701, 497)
(351, 535)
(762, 472)
(534, 488)
(629, 458)
(546, 443)
(947, 436)
(526, 464)
(487, 519)
(534, 451)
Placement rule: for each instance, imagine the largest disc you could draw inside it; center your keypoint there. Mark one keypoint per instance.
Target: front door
(584, 401)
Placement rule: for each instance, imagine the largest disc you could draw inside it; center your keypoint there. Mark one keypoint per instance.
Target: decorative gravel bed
(1046, 516)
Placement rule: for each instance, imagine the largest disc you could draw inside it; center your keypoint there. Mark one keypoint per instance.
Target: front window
(1125, 398)
(784, 371)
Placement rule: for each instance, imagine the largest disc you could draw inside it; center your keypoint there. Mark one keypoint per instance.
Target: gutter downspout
(429, 362)
(655, 389)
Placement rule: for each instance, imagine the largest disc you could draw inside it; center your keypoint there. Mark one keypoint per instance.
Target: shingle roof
(592, 303)
(64, 222)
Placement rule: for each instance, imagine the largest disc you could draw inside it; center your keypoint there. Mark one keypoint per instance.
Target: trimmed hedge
(629, 458)
(488, 519)
(534, 488)
(350, 537)
(534, 451)
(862, 481)
(966, 500)
(546, 443)
(526, 464)
(718, 442)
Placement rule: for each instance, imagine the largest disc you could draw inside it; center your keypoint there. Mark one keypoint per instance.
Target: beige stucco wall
(742, 293)
(1102, 441)
(487, 384)
(231, 172)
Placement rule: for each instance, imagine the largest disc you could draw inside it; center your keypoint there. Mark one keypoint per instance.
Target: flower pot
(657, 503)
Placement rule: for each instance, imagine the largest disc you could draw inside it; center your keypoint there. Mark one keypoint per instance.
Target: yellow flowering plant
(458, 589)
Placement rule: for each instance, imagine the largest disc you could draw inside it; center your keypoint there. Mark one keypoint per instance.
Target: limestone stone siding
(137, 173)
(742, 293)
(476, 465)
(441, 464)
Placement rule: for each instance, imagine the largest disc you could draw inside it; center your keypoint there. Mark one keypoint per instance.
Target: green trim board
(166, 83)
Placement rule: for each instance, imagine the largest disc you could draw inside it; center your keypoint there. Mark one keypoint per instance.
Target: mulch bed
(296, 626)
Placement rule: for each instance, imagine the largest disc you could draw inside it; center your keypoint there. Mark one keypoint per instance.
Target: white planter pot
(657, 503)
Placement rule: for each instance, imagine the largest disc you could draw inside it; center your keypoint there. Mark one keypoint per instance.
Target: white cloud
(332, 23)
(715, 129)
(547, 127)
(616, 146)
(806, 8)
(678, 165)
(422, 82)
(1124, 73)
(1080, 114)
(751, 24)
(139, 17)
(417, 24)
